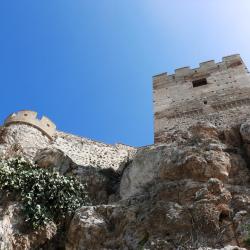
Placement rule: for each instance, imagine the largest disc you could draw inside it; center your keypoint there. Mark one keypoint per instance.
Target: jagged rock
(192, 192)
(232, 137)
(153, 223)
(245, 131)
(21, 140)
(122, 227)
(199, 158)
(224, 248)
(6, 220)
(98, 184)
(238, 168)
(54, 158)
(14, 234)
(204, 130)
(143, 169)
(148, 222)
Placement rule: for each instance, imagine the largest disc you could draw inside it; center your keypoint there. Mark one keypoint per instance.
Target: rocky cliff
(191, 192)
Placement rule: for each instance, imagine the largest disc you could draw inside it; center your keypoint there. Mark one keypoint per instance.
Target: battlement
(200, 92)
(83, 151)
(205, 68)
(45, 125)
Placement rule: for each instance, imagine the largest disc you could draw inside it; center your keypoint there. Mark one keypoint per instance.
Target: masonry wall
(86, 152)
(30, 117)
(225, 98)
(25, 132)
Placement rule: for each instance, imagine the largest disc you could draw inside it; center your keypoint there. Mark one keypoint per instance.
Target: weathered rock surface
(200, 157)
(14, 234)
(100, 182)
(224, 248)
(192, 192)
(54, 158)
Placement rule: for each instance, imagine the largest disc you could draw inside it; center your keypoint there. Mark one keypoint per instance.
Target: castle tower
(215, 92)
(45, 125)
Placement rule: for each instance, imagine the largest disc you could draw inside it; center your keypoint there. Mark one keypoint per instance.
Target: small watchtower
(215, 92)
(45, 125)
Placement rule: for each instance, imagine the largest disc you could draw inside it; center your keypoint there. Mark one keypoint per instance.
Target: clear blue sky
(88, 65)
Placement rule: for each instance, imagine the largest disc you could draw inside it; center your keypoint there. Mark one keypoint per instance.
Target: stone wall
(45, 125)
(29, 140)
(86, 152)
(178, 104)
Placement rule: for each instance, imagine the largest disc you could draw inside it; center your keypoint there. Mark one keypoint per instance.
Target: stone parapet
(189, 93)
(205, 67)
(31, 134)
(45, 125)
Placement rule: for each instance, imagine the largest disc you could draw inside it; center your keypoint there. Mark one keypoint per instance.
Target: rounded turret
(45, 125)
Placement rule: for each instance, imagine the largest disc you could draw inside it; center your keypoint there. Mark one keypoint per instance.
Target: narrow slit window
(199, 82)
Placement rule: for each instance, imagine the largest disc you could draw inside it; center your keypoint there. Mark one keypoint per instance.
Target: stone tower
(215, 92)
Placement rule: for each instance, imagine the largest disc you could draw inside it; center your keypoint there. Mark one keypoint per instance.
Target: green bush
(45, 195)
(247, 240)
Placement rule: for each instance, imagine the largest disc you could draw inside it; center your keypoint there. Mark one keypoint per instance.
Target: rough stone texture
(28, 141)
(13, 230)
(54, 158)
(147, 162)
(245, 131)
(21, 139)
(45, 125)
(157, 221)
(101, 183)
(86, 152)
(201, 157)
(224, 248)
(224, 100)
(192, 192)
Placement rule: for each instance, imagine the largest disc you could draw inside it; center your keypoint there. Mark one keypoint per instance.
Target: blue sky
(88, 65)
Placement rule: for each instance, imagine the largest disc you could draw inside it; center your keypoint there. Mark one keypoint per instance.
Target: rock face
(191, 192)
(13, 230)
(55, 158)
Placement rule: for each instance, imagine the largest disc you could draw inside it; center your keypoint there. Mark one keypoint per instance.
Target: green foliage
(45, 195)
(143, 241)
(247, 240)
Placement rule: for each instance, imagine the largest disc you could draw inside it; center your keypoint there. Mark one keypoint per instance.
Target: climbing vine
(45, 195)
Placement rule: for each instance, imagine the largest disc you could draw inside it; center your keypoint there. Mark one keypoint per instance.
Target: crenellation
(45, 125)
(34, 134)
(182, 72)
(201, 92)
(208, 65)
(231, 58)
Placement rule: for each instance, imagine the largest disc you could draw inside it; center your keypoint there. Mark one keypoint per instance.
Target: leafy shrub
(247, 240)
(45, 195)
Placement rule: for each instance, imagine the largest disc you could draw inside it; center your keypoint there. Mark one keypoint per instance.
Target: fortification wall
(45, 125)
(205, 93)
(28, 140)
(86, 152)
